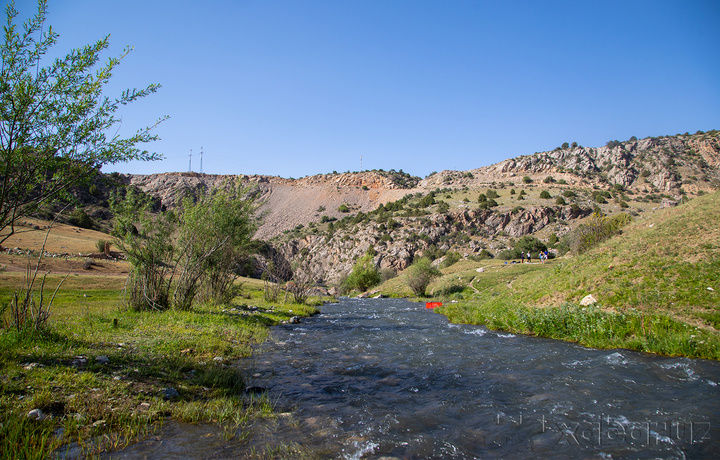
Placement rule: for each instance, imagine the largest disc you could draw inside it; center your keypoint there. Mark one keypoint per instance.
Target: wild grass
(98, 371)
(656, 285)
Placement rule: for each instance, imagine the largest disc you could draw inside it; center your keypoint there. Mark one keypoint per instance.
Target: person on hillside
(529, 257)
(522, 257)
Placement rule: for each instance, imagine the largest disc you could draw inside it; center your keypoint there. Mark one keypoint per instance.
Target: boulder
(588, 300)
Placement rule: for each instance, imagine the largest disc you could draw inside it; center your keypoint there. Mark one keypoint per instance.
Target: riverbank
(654, 288)
(100, 377)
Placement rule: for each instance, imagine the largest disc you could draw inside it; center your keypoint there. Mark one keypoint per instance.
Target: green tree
(214, 232)
(530, 244)
(545, 195)
(56, 121)
(364, 274)
(420, 275)
(148, 247)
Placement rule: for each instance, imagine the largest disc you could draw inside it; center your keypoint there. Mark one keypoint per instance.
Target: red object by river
(433, 304)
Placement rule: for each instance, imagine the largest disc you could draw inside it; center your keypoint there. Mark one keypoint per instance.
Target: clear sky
(295, 88)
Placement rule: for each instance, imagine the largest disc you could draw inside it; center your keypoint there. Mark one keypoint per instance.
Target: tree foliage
(55, 120)
(420, 274)
(214, 231)
(195, 251)
(594, 231)
(364, 274)
(146, 240)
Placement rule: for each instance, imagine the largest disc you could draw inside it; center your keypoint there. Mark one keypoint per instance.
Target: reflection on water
(386, 378)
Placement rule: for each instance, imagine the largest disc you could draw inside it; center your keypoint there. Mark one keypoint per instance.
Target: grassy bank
(104, 376)
(656, 287)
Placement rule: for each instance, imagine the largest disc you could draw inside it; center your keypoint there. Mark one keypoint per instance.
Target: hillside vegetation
(656, 285)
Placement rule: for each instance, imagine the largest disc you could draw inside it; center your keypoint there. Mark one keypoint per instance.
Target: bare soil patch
(68, 249)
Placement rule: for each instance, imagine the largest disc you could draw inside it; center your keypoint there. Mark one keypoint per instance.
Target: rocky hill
(320, 224)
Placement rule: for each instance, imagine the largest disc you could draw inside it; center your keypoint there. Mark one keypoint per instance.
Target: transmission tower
(201, 152)
(190, 162)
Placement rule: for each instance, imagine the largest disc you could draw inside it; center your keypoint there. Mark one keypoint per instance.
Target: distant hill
(322, 223)
(671, 165)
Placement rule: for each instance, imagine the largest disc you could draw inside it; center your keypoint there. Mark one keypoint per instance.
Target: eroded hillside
(320, 224)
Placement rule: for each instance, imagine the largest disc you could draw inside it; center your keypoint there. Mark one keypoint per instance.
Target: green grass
(651, 283)
(99, 406)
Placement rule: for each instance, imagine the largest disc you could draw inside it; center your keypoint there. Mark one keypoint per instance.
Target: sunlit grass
(656, 287)
(98, 371)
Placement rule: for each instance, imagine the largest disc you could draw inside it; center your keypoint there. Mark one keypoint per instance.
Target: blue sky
(295, 88)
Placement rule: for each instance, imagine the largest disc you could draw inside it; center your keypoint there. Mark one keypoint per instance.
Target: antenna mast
(201, 152)
(190, 162)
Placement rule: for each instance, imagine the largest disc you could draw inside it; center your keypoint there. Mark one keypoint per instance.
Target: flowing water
(381, 378)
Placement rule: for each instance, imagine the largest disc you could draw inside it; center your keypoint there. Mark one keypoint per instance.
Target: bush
(420, 275)
(560, 201)
(343, 208)
(79, 218)
(364, 274)
(545, 195)
(508, 254)
(103, 246)
(527, 180)
(450, 258)
(596, 230)
(492, 194)
(387, 274)
(529, 244)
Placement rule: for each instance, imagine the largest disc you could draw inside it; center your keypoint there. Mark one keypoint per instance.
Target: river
(386, 378)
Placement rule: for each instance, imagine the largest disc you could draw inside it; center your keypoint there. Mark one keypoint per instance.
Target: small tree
(148, 247)
(420, 275)
(545, 195)
(214, 230)
(364, 274)
(55, 120)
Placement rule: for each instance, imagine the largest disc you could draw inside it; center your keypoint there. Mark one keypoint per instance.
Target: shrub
(387, 274)
(596, 230)
(549, 180)
(508, 254)
(545, 195)
(560, 201)
(343, 208)
(492, 194)
(420, 275)
(527, 180)
(364, 274)
(79, 218)
(450, 258)
(103, 246)
(529, 244)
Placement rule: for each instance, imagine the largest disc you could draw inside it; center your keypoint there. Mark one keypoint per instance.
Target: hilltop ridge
(671, 165)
